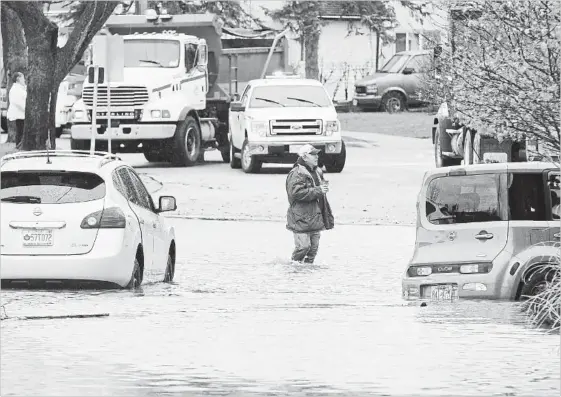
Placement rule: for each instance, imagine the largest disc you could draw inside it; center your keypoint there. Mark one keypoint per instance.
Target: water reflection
(249, 321)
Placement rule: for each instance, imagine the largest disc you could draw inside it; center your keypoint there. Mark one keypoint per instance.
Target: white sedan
(80, 219)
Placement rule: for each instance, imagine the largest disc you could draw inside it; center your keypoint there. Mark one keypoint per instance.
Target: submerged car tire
(154, 156)
(337, 163)
(536, 283)
(250, 165)
(170, 269)
(136, 277)
(186, 143)
(235, 162)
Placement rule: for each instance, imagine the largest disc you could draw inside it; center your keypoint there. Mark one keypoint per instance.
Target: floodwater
(241, 319)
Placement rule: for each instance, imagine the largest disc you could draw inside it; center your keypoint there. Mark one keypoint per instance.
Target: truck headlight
(80, 115)
(331, 127)
(372, 89)
(159, 114)
(260, 127)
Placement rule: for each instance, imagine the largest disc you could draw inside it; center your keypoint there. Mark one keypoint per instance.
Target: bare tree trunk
(14, 52)
(41, 81)
(311, 44)
(52, 115)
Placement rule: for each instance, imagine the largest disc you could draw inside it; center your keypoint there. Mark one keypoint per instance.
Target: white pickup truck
(276, 116)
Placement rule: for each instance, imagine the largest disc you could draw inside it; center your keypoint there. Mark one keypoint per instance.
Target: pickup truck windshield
(289, 96)
(394, 64)
(151, 53)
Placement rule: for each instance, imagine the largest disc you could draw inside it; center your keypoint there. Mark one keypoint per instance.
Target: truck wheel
(186, 143)
(225, 151)
(154, 156)
(58, 131)
(235, 162)
(393, 102)
(201, 158)
(4, 125)
(79, 144)
(337, 162)
(250, 165)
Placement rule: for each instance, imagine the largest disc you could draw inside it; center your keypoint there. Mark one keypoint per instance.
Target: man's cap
(308, 149)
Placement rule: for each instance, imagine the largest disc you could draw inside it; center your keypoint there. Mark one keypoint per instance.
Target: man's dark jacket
(309, 209)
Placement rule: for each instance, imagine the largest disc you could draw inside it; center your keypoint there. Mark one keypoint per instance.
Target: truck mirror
(203, 55)
(236, 107)
(408, 71)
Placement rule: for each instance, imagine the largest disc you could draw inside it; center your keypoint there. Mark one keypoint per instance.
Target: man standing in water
(309, 212)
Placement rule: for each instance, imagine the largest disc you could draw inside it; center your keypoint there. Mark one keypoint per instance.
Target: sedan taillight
(108, 218)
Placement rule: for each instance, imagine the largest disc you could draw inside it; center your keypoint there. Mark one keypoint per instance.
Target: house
(345, 58)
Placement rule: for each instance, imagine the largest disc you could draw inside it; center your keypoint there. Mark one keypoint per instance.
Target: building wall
(345, 58)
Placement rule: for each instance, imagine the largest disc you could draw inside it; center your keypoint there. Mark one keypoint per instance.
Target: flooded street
(241, 318)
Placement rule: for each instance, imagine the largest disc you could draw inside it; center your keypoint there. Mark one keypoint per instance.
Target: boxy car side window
(526, 197)
(463, 199)
(50, 187)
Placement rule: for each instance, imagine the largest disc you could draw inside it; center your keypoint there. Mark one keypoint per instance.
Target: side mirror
(408, 71)
(167, 203)
(236, 107)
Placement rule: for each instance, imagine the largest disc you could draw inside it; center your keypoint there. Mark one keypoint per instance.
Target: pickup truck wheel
(393, 102)
(187, 143)
(58, 131)
(250, 165)
(79, 144)
(337, 162)
(235, 162)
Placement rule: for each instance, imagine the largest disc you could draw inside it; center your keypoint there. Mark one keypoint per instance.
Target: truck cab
(276, 116)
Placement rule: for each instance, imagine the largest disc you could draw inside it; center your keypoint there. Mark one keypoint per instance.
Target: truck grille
(120, 96)
(360, 89)
(296, 127)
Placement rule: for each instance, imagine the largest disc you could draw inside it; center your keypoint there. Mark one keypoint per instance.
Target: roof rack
(105, 156)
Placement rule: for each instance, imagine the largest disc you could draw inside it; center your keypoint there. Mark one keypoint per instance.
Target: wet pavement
(241, 319)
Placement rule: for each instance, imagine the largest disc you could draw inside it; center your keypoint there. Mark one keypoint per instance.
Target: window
(463, 199)
(400, 42)
(130, 192)
(245, 95)
(421, 63)
(143, 195)
(190, 56)
(526, 197)
(289, 96)
(51, 187)
(151, 53)
(554, 192)
(395, 64)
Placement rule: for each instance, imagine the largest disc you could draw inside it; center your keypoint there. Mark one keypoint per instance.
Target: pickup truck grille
(296, 127)
(120, 96)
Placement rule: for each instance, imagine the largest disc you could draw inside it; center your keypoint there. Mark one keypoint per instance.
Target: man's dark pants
(306, 247)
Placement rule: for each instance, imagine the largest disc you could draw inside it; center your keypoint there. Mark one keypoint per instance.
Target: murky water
(240, 319)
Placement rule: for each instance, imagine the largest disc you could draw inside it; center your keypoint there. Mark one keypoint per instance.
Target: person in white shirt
(16, 110)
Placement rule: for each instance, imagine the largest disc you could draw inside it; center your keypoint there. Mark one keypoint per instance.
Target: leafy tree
(499, 72)
(48, 65)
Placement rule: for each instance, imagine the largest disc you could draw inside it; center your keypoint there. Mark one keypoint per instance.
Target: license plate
(37, 238)
(441, 292)
(295, 148)
(355, 102)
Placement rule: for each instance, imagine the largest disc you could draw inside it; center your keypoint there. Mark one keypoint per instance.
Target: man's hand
(324, 188)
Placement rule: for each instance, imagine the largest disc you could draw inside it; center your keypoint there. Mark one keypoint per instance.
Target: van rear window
(50, 187)
(463, 199)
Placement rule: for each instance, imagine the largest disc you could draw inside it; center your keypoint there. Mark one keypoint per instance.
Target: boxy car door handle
(484, 236)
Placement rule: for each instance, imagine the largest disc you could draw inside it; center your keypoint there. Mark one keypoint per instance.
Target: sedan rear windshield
(50, 187)
(463, 199)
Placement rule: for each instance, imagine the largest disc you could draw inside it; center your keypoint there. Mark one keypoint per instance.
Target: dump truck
(455, 143)
(180, 73)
